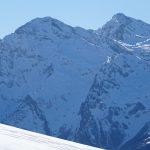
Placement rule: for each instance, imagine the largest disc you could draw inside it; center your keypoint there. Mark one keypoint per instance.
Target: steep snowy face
(117, 106)
(46, 70)
(125, 29)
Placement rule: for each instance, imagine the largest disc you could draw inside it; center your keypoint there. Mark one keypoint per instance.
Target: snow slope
(15, 139)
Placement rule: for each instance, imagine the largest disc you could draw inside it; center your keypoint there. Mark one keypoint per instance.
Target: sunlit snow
(17, 139)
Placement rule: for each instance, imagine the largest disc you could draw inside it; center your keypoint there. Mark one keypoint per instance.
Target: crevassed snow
(15, 139)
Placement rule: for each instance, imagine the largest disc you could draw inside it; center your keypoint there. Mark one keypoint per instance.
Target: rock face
(140, 141)
(82, 85)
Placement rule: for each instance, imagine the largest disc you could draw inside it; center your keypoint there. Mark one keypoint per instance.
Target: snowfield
(15, 139)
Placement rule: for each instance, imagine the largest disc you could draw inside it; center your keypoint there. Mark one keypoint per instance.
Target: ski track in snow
(15, 139)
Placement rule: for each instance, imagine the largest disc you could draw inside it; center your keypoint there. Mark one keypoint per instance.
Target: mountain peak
(43, 26)
(120, 16)
(126, 29)
(44, 20)
(121, 19)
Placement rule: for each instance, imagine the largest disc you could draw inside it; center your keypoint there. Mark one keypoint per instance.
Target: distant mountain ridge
(81, 85)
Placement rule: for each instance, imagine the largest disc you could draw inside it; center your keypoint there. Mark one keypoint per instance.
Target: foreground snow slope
(13, 139)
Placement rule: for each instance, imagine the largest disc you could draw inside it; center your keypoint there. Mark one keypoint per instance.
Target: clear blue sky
(85, 13)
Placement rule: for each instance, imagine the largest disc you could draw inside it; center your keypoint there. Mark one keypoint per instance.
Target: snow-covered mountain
(13, 139)
(47, 68)
(82, 85)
